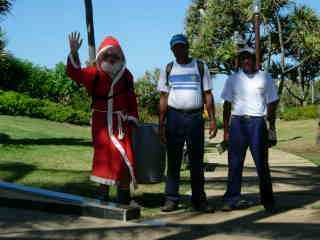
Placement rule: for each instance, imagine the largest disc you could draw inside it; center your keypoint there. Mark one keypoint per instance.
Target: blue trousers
(247, 133)
(183, 127)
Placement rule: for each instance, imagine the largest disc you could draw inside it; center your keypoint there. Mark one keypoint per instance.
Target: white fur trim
(102, 50)
(114, 140)
(73, 62)
(104, 181)
(133, 119)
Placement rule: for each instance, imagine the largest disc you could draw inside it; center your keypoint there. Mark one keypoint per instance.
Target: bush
(13, 103)
(299, 113)
(39, 82)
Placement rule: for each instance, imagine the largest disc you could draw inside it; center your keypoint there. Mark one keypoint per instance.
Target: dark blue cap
(178, 38)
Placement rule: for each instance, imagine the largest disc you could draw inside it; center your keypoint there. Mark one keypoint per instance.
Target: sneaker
(226, 207)
(203, 207)
(169, 206)
(242, 204)
(133, 203)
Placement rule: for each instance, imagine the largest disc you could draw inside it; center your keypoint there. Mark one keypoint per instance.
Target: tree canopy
(290, 37)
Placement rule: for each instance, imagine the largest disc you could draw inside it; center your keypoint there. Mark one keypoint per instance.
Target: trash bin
(150, 154)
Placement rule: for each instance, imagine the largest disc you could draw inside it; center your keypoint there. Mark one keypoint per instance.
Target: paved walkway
(297, 191)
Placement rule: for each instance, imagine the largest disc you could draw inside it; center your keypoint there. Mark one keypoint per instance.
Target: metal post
(256, 10)
(90, 31)
(257, 37)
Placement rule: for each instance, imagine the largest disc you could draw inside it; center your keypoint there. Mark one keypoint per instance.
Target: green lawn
(58, 156)
(299, 137)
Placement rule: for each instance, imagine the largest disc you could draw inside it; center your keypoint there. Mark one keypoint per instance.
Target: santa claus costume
(114, 112)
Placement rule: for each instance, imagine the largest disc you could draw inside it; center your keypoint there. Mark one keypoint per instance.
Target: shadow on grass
(289, 139)
(6, 140)
(15, 171)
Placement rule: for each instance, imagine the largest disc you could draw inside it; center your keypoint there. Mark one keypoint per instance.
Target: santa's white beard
(111, 69)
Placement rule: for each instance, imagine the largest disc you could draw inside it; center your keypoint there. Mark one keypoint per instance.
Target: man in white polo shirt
(184, 87)
(249, 96)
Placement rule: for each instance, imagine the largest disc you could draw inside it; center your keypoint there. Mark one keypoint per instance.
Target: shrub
(13, 103)
(39, 82)
(299, 113)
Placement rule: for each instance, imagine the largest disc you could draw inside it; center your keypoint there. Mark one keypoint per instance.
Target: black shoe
(203, 207)
(169, 206)
(270, 208)
(123, 196)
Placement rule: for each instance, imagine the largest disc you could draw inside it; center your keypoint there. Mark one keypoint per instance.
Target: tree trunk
(282, 53)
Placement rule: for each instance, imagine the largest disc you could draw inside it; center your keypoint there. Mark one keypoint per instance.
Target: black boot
(123, 196)
(104, 193)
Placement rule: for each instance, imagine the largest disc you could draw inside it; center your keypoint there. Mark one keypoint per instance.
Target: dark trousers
(248, 132)
(183, 127)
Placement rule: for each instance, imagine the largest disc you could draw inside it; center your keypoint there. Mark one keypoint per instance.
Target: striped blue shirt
(184, 86)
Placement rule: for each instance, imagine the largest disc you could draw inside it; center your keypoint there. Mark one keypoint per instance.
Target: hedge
(13, 103)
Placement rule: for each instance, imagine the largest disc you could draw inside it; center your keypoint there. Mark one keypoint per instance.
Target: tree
(303, 29)
(5, 6)
(210, 25)
(148, 96)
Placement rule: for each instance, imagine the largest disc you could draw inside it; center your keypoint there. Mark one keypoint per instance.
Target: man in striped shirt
(184, 87)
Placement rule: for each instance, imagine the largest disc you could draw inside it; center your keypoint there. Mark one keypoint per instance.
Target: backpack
(200, 66)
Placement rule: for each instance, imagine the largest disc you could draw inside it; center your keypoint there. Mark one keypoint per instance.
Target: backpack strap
(168, 71)
(200, 65)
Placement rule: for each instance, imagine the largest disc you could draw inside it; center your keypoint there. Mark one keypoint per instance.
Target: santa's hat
(107, 43)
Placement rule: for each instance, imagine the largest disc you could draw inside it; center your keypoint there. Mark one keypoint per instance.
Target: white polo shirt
(249, 94)
(184, 86)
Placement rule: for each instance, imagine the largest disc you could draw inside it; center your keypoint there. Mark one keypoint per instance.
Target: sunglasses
(110, 56)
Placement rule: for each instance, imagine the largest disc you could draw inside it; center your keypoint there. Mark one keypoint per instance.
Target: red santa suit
(114, 106)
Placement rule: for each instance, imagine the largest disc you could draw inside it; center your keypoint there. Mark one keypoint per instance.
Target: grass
(58, 157)
(299, 137)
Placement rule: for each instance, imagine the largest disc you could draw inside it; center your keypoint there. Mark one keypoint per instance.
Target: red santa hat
(107, 43)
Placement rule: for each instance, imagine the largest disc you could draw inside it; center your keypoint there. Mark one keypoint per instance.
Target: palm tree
(5, 6)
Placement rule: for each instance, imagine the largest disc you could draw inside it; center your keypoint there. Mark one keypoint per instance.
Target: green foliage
(148, 96)
(210, 26)
(146, 117)
(299, 113)
(39, 82)
(5, 6)
(210, 34)
(12, 103)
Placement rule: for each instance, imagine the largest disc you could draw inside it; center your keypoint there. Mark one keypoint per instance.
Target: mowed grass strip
(299, 138)
(58, 156)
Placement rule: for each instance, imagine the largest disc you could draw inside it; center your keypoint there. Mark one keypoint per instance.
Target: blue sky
(37, 30)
